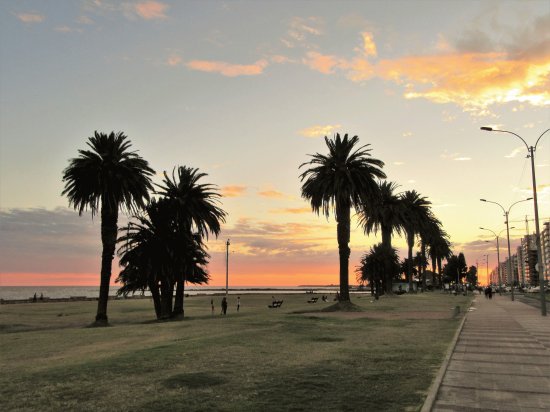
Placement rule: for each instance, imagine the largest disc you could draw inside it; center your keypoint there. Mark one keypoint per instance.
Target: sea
(60, 292)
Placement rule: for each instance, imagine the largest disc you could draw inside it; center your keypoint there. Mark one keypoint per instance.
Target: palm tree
(337, 181)
(380, 263)
(384, 213)
(430, 231)
(195, 209)
(439, 248)
(103, 179)
(416, 214)
(154, 252)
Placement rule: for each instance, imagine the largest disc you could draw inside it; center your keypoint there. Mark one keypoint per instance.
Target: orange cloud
(291, 210)
(319, 131)
(474, 81)
(233, 190)
(227, 69)
(274, 194)
(30, 17)
(322, 63)
(369, 47)
(151, 10)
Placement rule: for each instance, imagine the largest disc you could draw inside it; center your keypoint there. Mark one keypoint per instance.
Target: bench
(275, 304)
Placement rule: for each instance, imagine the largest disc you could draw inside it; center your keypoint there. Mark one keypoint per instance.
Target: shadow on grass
(193, 380)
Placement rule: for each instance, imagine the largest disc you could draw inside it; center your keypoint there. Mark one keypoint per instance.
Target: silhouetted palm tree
(103, 179)
(416, 214)
(380, 263)
(336, 182)
(428, 233)
(439, 248)
(194, 207)
(384, 213)
(154, 251)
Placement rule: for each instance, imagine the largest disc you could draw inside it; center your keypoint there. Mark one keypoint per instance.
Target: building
(545, 246)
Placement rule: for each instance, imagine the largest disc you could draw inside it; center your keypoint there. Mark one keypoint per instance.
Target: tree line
(163, 246)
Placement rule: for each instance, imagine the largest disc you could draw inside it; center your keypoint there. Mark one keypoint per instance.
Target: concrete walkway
(501, 361)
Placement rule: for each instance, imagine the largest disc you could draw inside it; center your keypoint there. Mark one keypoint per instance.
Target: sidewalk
(501, 361)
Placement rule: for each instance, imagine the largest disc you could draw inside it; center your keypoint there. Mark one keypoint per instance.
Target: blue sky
(244, 90)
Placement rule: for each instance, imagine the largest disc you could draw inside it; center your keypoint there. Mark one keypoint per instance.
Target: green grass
(257, 360)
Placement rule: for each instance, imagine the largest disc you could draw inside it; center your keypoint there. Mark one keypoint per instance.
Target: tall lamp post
(498, 256)
(487, 266)
(506, 213)
(541, 266)
(227, 267)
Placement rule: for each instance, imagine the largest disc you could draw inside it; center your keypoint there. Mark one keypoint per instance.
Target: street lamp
(541, 266)
(227, 267)
(498, 256)
(506, 213)
(487, 266)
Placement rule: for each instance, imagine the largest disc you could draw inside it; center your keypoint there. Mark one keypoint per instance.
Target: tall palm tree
(336, 182)
(195, 208)
(428, 233)
(416, 214)
(105, 178)
(439, 248)
(383, 213)
(154, 252)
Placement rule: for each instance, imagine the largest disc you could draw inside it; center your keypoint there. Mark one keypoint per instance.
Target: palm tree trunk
(154, 288)
(166, 299)
(178, 302)
(386, 241)
(343, 232)
(422, 266)
(410, 243)
(109, 219)
(439, 272)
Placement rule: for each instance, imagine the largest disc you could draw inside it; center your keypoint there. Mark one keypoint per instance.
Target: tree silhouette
(103, 179)
(338, 181)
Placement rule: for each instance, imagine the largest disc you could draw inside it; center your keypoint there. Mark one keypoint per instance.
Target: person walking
(238, 303)
(212, 304)
(224, 306)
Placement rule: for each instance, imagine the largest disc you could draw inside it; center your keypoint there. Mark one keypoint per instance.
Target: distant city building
(545, 246)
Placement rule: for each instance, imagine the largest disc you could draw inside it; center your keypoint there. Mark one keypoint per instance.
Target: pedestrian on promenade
(224, 306)
(238, 303)
(212, 304)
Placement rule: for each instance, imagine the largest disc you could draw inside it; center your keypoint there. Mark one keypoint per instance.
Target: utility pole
(227, 267)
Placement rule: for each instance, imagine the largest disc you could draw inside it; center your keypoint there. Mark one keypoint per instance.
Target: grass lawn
(259, 359)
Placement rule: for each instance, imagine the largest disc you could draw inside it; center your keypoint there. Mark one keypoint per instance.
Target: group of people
(34, 299)
(489, 292)
(224, 305)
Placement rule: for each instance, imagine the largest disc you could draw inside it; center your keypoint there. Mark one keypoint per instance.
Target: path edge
(434, 387)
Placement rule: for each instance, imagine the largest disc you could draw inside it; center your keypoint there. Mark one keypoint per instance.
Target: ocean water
(26, 292)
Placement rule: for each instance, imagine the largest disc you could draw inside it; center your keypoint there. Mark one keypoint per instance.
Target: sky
(245, 91)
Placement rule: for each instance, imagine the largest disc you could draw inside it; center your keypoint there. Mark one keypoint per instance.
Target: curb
(434, 387)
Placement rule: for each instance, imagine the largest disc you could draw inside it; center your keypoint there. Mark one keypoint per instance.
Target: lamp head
(486, 128)
(529, 198)
(483, 200)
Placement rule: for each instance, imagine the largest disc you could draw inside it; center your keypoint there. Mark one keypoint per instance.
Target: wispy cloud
(31, 17)
(462, 159)
(322, 63)
(407, 134)
(291, 211)
(174, 60)
(319, 130)
(515, 152)
(233, 190)
(299, 29)
(228, 69)
(150, 10)
(454, 156)
(273, 194)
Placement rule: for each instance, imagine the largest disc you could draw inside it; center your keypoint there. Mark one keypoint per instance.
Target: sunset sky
(244, 91)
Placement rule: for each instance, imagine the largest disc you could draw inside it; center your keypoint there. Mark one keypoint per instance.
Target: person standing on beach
(212, 304)
(224, 306)
(238, 303)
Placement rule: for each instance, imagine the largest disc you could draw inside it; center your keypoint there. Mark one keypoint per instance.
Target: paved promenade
(501, 361)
